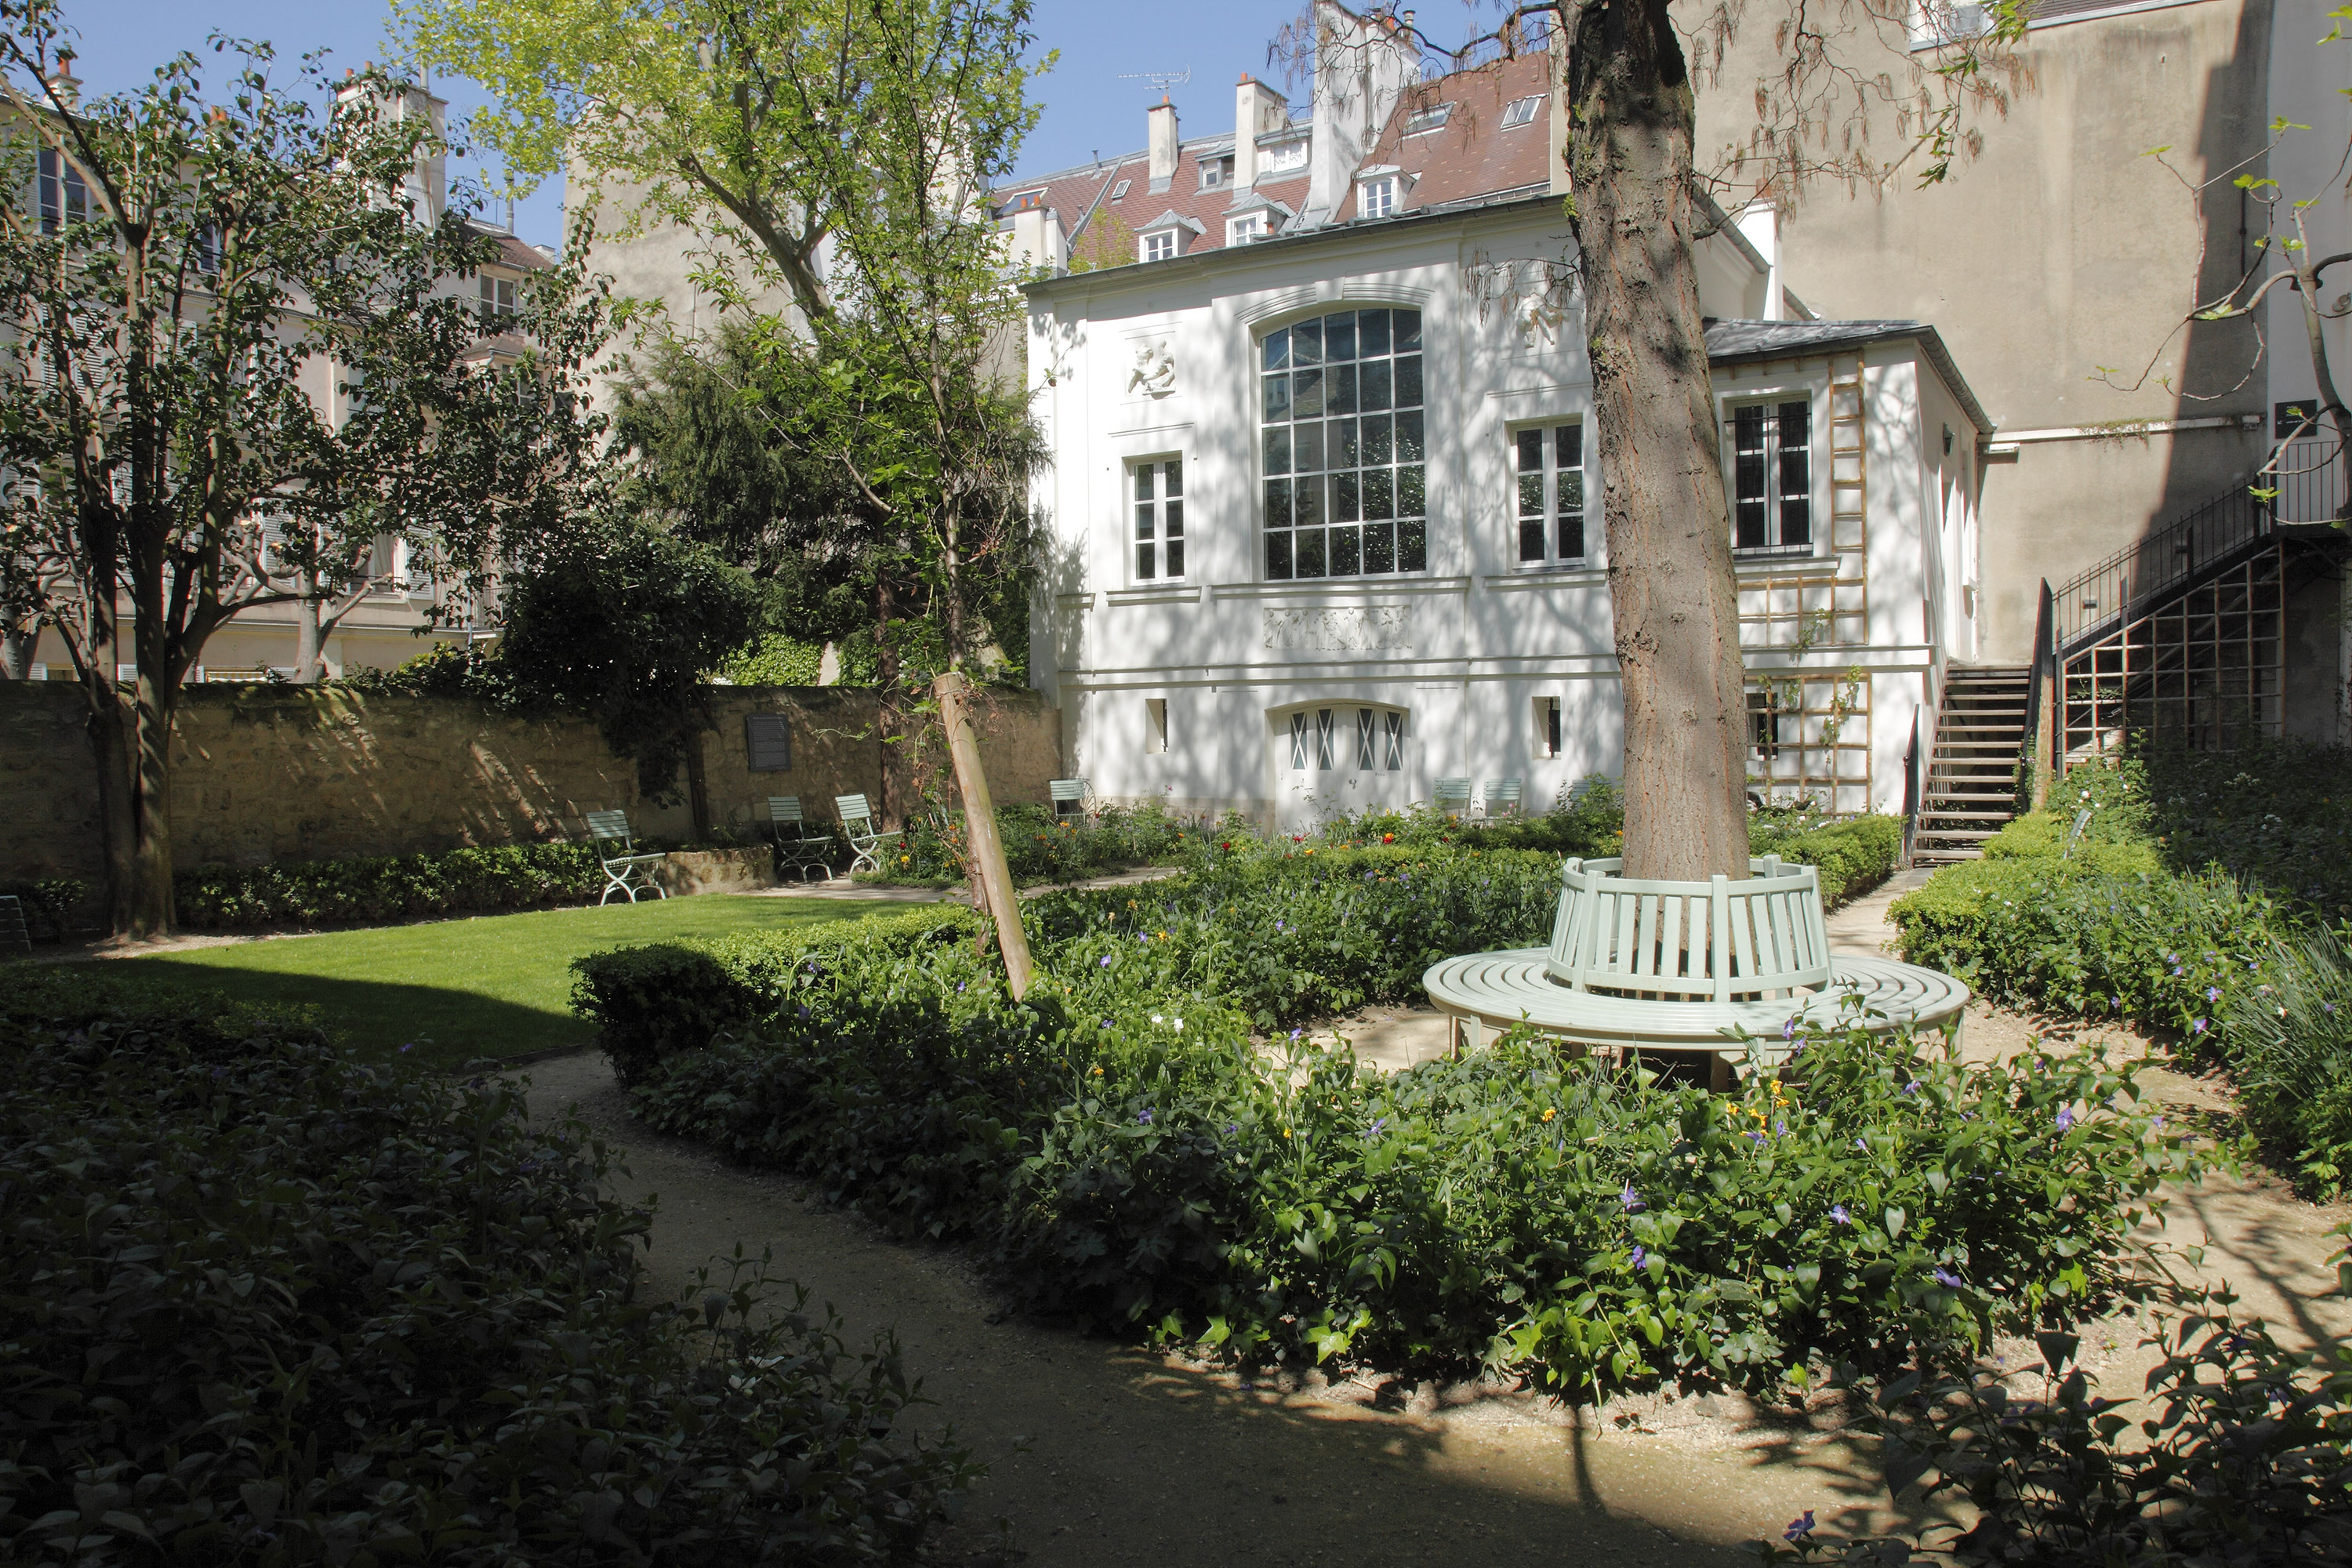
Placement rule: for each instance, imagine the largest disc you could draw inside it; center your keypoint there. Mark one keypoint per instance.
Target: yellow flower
(1550, 1112)
(1099, 1072)
(1285, 1133)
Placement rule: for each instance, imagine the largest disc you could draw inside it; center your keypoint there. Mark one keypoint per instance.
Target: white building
(1324, 518)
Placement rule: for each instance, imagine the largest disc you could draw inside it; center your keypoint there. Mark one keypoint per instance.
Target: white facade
(1230, 688)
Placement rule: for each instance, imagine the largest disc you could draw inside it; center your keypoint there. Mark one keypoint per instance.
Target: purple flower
(1631, 1199)
(1946, 1278)
(1380, 1125)
(404, 1050)
(1787, 1030)
(960, 984)
(1863, 1145)
(2198, 1027)
(2212, 993)
(1277, 925)
(1799, 1527)
(1105, 963)
(1233, 1127)
(1837, 1213)
(2065, 1117)
(1911, 1088)
(1145, 1118)
(1640, 1257)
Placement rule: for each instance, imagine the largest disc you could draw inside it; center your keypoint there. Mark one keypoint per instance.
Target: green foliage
(624, 622)
(2245, 1455)
(379, 889)
(775, 660)
(446, 669)
(264, 1303)
(1040, 847)
(1124, 1150)
(2278, 813)
(50, 903)
(2289, 1045)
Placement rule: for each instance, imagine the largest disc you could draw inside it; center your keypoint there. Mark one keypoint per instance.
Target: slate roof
(1752, 342)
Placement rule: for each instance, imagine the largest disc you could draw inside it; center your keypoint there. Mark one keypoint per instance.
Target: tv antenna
(1162, 81)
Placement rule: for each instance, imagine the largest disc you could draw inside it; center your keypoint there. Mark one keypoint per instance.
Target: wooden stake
(981, 842)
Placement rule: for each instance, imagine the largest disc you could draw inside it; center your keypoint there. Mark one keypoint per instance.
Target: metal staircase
(1971, 784)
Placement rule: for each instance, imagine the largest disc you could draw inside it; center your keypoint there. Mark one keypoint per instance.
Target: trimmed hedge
(385, 888)
(263, 1303)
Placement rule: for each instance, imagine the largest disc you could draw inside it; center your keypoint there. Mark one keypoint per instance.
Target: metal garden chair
(801, 847)
(627, 870)
(858, 825)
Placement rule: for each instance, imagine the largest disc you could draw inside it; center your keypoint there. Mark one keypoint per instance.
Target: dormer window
(1421, 122)
(1377, 197)
(1242, 230)
(1215, 171)
(1521, 111)
(1157, 246)
(1282, 158)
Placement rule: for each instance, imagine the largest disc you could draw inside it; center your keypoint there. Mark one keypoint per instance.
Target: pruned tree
(190, 279)
(1638, 209)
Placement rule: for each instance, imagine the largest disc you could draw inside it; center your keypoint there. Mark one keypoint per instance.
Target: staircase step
(1926, 815)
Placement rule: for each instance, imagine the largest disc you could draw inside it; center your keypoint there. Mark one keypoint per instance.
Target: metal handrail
(2309, 480)
(2045, 667)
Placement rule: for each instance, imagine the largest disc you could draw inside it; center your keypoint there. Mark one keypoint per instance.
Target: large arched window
(1342, 444)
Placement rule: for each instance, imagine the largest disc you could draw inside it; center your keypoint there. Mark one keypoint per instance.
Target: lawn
(492, 986)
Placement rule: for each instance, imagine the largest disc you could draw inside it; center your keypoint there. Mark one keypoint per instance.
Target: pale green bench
(1069, 796)
(801, 847)
(1453, 796)
(625, 869)
(1501, 798)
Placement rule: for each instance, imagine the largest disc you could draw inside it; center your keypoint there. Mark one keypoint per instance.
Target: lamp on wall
(1947, 440)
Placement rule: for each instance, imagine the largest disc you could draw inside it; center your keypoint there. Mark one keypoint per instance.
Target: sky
(1093, 100)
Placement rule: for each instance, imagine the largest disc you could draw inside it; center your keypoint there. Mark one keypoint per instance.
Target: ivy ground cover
(449, 991)
(1151, 1141)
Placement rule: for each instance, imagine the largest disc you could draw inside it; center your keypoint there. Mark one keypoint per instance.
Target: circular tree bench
(1681, 967)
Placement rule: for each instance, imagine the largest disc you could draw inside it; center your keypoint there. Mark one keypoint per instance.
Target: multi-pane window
(1215, 171)
(1376, 198)
(64, 199)
(497, 296)
(1242, 230)
(1521, 111)
(1158, 247)
(1375, 741)
(1772, 476)
(1282, 157)
(1552, 494)
(1159, 503)
(1342, 447)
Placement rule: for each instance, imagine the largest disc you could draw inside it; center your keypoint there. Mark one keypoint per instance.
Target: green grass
(452, 990)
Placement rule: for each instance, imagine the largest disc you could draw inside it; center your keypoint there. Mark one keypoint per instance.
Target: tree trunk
(310, 637)
(1674, 598)
(983, 850)
(110, 749)
(16, 653)
(886, 712)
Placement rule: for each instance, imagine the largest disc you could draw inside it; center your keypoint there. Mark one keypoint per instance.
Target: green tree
(627, 623)
(181, 303)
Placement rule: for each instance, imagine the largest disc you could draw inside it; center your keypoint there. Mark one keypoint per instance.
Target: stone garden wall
(269, 774)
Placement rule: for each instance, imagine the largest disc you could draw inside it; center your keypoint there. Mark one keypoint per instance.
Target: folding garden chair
(1502, 798)
(858, 827)
(1453, 796)
(801, 847)
(626, 870)
(1069, 796)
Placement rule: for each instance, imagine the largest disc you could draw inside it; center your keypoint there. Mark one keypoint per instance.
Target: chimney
(62, 81)
(1163, 145)
(1361, 68)
(1257, 109)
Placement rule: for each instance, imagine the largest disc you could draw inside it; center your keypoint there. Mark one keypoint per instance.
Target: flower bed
(264, 1303)
(1119, 1148)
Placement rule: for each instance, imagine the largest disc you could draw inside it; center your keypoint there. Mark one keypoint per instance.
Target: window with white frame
(1935, 23)
(1215, 171)
(1521, 111)
(1158, 492)
(1157, 246)
(1341, 441)
(1552, 494)
(1547, 735)
(1377, 197)
(1282, 158)
(1772, 476)
(497, 296)
(1243, 230)
(1421, 121)
(63, 197)
(1329, 739)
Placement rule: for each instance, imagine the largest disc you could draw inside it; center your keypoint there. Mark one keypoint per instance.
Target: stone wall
(269, 774)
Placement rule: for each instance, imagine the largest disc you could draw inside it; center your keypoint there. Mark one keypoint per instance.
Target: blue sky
(1088, 108)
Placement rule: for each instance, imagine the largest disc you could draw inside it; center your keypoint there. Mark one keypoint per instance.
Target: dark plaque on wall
(768, 738)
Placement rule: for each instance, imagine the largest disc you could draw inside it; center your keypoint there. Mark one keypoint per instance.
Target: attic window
(1521, 111)
(1157, 246)
(1422, 122)
(1377, 198)
(1243, 230)
(1282, 157)
(1215, 171)
(1118, 191)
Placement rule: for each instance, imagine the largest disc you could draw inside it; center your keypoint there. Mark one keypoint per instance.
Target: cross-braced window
(1323, 739)
(1342, 447)
(1298, 742)
(1158, 519)
(1366, 757)
(1551, 495)
(1772, 476)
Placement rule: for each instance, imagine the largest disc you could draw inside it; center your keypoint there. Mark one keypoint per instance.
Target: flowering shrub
(264, 1303)
(1130, 1156)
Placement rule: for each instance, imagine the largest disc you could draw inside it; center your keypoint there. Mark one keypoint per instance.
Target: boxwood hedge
(263, 1303)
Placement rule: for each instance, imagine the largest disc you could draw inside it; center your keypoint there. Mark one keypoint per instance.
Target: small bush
(48, 904)
(1042, 846)
(264, 1303)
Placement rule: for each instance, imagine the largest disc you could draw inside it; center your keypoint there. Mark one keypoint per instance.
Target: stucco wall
(265, 773)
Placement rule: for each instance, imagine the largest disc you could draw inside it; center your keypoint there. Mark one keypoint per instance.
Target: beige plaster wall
(2060, 250)
(265, 773)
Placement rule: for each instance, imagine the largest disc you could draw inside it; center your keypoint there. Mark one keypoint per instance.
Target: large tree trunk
(310, 637)
(157, 693)
(885, 715)
(698, 787)
(1670, 587)
(118, 820)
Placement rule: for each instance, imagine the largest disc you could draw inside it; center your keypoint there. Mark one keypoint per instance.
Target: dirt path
(1101, 1454)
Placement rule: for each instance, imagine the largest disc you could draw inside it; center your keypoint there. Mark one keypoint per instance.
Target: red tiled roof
(1472, 156)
